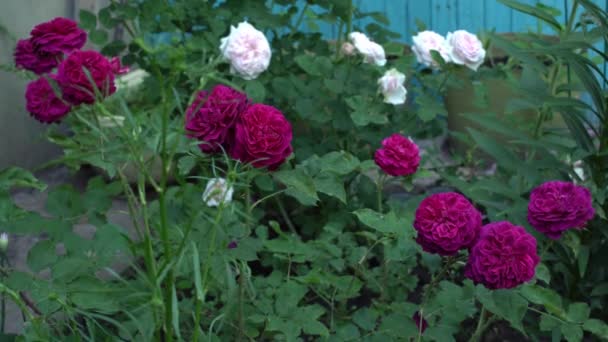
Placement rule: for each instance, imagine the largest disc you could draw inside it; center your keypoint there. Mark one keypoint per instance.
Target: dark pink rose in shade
(446, 222)
(77, 86)
(60, 35)
(211, 117)
(421, 323)
(399, 156)
(43, 103)
(40, 63)
(557, 206)
(262, 137)
(233, 244)
(117, 66)
(503, 257)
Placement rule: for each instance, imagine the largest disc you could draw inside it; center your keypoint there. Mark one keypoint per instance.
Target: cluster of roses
(225, 119)
(459, 47)
(81, 76)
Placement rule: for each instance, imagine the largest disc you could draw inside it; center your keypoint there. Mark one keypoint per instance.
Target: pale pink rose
(466, 49)
(371, 51)
(247, 49)
(427, 41)
(391, 86)
(347, 49)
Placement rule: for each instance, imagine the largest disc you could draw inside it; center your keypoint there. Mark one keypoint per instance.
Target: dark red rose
(43, 103)
(76, 85)
(446, 222)
(557, 206)
(211, 117)
(262, 137)
(504, 256)
(40, 63)
(117, 66)
(60, 35)
(399, 156)
(421, 323)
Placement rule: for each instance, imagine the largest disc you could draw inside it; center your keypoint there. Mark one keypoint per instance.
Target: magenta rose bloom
(76, 86)
(399, 156)
(211, 117)
(43, 103)
(557, 206)
(503, 257)
(60, 35)
(117, 67)
(38, 62)
(446, 222)
(421, 323)
(262, 137)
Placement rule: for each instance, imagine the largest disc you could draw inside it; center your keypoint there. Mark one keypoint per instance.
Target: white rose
(131, 79)
(466, 49)
(217, 192)
(247, 50)
(427, 41)
(391, 86)
(347, 49)
(371, 51)
(3, 242)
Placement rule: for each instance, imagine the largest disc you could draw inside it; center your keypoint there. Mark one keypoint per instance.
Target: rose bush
(274, 193)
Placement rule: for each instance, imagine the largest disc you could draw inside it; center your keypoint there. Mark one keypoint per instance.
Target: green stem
(480, 325)
(379, 191)
(285, 216)
(241, 302)
(349, 23)
(299, 20)
(3, 313)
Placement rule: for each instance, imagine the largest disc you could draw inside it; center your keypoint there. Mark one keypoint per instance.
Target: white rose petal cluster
(391, 86)
(217, 192)
(247, 50)
(459, 47)
(372, 52)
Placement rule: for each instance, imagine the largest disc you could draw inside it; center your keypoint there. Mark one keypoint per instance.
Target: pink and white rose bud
(347, 49)
(371, 51)
(466, 49)
(391, 86)
(217, 192)
(427, 41)
(247, 50)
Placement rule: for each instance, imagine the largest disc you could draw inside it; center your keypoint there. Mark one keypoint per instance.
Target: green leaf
(596, 327)
(335, 86)
(314, 65)
(600, 290)
(331, 185)
(42, 255)
(255, 90)
(384, 223)
(196, 263)
(572, 332)
(543, 273)
(339, 162)
(64, 202)
(99, 37)
(507, 304)
(536, 12)
(578, 312)
(14, 176)
(300, 185)
(583, 259)
(363, 114)
(543, 296)
(429, 107)
(504, 157)
(88, 20)
(366, 318)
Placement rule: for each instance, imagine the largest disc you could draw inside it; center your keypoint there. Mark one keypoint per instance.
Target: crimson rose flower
(117, 66)
(43, 103)
(211, 117)
(503, 257)
(446, 222)
(421, 323)
(262, 137)
(60, 35)
(398, 156)
(557, 206)
(75, 83)
(38, 62)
